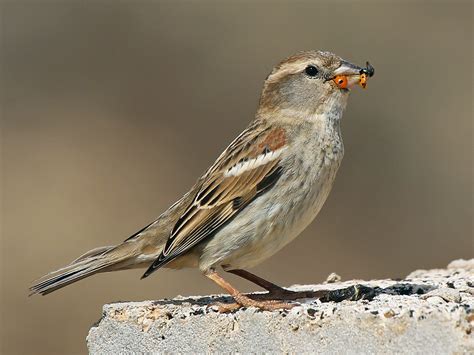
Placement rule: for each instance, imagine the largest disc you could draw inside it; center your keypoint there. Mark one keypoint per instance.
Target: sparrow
(261, 192)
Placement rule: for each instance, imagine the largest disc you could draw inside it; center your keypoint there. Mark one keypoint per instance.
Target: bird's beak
(348, 75)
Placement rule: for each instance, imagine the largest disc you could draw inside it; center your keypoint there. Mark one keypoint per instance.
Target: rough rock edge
(428, 311)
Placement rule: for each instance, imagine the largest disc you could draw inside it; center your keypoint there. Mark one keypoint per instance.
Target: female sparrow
(259, 194)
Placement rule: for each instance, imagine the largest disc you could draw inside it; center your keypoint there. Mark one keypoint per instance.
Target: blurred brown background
(111, 110)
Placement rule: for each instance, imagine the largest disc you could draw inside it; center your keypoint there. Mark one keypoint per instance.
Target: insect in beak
(350, 75)
(365, 73)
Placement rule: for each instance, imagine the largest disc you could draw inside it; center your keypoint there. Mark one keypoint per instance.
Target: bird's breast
(309, 181)
(275, 218)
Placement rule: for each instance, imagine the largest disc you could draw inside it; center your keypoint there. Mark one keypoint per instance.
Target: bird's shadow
(352, 293)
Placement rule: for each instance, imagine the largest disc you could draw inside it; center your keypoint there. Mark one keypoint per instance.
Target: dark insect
(368, 70)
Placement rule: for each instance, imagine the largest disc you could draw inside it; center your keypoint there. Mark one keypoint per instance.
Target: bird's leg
(243, 300)
(275, 292)
(267, 285)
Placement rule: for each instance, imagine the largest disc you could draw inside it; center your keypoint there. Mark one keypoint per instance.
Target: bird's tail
(97, 260)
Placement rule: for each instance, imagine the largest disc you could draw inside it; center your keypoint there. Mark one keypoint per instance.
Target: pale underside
(262, 221)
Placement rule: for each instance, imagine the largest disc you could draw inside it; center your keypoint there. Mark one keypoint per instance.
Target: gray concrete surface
(429, 312)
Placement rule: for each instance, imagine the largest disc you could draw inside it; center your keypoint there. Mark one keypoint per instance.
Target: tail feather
(94, 252)
(95, 261)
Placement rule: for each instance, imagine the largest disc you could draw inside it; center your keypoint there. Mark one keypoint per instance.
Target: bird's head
(310, 83)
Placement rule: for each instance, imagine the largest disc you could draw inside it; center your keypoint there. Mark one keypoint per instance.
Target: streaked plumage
(260, 193)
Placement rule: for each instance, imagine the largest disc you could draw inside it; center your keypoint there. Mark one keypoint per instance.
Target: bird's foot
(275, 292)
(277, 296)
(242, 300)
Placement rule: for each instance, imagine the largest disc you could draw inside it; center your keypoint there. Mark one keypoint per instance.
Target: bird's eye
(311, 70)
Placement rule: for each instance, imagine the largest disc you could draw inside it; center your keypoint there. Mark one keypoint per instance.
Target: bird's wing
(245, 170)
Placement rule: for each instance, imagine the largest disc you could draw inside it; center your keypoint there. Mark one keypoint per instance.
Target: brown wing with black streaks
(245, 170)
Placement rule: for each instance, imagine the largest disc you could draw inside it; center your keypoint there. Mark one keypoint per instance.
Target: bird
(264, 189)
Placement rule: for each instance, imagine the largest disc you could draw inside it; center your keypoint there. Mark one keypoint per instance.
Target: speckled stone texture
(429, 312)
